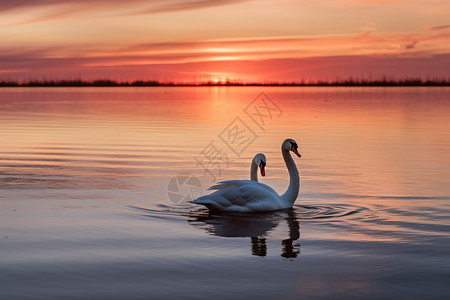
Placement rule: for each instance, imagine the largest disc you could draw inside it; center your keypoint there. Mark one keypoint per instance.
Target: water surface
(94, 184)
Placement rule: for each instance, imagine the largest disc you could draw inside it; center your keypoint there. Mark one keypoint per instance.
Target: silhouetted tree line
(111, 83)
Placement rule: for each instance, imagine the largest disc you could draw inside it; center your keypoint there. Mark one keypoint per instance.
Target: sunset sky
(192, 40)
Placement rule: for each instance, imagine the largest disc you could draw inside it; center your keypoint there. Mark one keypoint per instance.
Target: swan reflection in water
(255, 226)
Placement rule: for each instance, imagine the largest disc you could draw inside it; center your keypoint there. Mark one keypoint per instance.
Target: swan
(258, 161)
(252, 196)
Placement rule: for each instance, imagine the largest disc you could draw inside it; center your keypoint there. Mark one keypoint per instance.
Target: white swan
(251, 196)
(259, 161)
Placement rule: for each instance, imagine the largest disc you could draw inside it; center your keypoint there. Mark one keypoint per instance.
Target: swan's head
(260, 161)
(290, 145)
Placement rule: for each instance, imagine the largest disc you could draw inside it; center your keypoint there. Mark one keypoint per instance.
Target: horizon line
(152, 83)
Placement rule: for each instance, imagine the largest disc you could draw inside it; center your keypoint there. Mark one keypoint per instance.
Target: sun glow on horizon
(221, 78)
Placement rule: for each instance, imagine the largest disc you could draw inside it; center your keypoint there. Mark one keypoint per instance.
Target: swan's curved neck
(254, 171)
(294, 179)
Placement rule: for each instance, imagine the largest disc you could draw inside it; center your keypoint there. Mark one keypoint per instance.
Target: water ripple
(303, 212)
(315, 212)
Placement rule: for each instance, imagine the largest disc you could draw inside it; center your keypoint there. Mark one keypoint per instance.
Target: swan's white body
(251, 196)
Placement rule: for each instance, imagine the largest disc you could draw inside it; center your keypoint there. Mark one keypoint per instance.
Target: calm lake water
(95, 183)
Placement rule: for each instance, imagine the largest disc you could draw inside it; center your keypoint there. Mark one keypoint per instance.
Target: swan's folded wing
(237, 195)
(257, 193)
(240, 192)
(227, 194)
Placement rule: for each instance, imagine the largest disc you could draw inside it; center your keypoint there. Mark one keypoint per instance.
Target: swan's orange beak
(294, 149)
(263, 170)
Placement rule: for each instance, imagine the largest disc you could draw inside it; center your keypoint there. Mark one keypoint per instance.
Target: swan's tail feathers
(209, 203)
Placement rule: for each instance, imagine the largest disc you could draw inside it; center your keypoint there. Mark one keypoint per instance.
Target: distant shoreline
(153, 83)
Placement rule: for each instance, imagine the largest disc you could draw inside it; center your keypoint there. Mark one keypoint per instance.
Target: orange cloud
(409, 44)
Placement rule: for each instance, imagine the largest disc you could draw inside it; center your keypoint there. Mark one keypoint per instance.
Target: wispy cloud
(181, 5)
(36, 11)
(8, 5)
(56, 15)
(51, 10)
(408, 45)
(298, 46)
(143, 7)
(440, 27)
(411, 45)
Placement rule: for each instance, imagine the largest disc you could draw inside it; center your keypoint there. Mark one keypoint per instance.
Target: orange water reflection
(364, 146)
